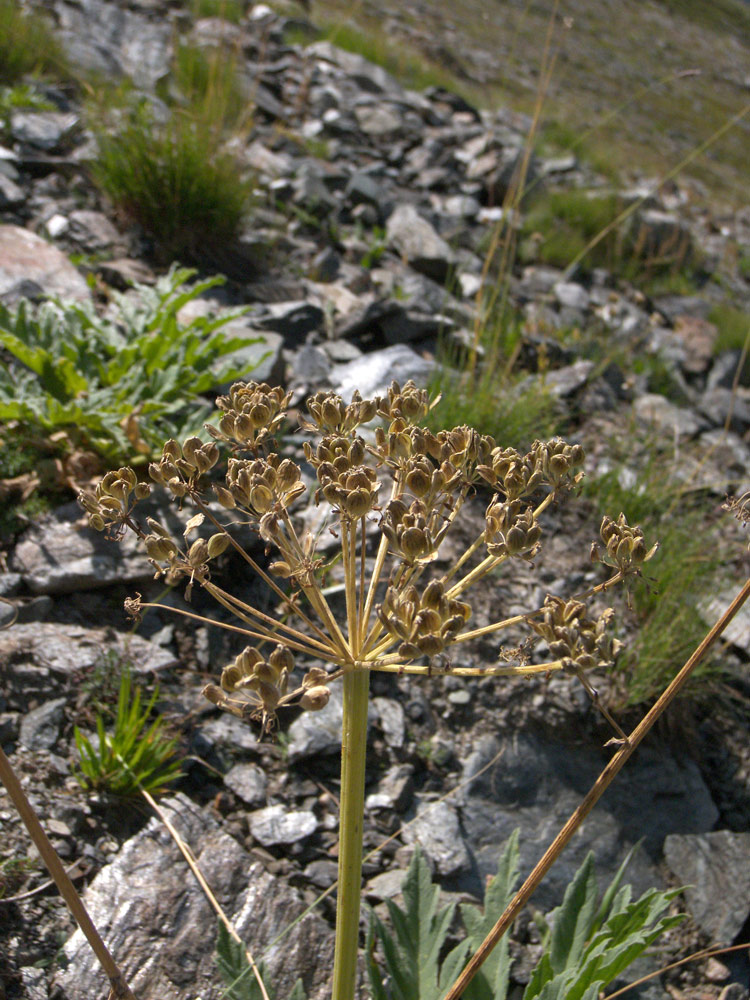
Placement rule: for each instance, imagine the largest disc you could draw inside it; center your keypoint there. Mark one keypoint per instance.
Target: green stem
(353, 750)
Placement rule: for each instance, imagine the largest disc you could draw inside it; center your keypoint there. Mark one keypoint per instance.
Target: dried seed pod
(217, 544)
(315, 698)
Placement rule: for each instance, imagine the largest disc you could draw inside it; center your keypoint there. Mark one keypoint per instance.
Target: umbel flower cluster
(393, 492)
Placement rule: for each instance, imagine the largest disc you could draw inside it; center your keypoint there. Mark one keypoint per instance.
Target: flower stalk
(404, 610)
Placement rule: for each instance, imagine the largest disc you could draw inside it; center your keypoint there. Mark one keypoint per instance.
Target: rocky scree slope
(354, 293)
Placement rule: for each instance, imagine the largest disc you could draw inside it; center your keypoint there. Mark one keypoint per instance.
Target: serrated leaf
(573, 920)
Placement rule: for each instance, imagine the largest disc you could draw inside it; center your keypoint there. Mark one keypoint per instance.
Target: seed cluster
(399, 610)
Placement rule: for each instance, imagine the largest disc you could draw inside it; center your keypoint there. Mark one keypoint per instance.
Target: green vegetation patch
(27, 45)
(685, 571)
(116, 385)
(177, 181)
(564, 223)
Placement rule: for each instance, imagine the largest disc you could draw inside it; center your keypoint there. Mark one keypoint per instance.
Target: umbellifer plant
(402, 614)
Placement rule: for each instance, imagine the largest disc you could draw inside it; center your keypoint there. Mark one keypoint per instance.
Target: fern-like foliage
(588, 941)
(234, 969)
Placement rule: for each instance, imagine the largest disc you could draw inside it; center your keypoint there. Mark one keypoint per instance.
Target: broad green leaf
(573, 920)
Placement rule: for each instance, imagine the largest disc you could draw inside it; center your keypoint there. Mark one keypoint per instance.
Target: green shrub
(589, 943)
(20, 96)
(565, 222)
(119, 382)
(177, 181)
(26, 45)
(134, 755)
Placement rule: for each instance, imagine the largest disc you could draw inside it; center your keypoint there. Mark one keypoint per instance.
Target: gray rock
(27, 257)
(276, 825)
(379, 121)
(367, 75)
(40, 728)
(249, 782)
(723, 407)
(437, 831)
(293, 320)
(227, 731)
(391, 720)
(261, 361)
(317, 732)
(417, 242)
(34, 983)
(93, 230)
(737, 631)
(394, 790)
(373, 373)
(715, 868)
(563, 382)
(386, 885)
(572, 295)
(651, 408)
(536, 784)
(66, 649)
(724, 371)
(115, 41)
(60, 553)
(672, 306)
(47, 130)
(11, 195)
(322, 873)
(162, 930)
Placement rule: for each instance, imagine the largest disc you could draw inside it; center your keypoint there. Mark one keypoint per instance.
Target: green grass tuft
(27, 45)
(177, 182)
(686, 569)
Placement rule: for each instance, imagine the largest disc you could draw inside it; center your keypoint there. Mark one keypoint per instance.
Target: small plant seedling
(134, 755)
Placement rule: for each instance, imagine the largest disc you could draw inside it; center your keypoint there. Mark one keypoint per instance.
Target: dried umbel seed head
(625, 547)
(558, 462)
(252, 413)
(352, 489)
(113, 498)
(511, 530)
(410, 402)
(427, 624)
(511, 473)
(330, 414)
(408, 529)
(315, 698)
(582, 643)
(258, 485)
(181, 467)
(263, 683)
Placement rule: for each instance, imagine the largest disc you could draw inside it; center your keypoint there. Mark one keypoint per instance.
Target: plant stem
(353, 750)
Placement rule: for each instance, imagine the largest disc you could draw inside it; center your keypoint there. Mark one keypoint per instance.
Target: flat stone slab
(60, 554)
(26, 257)
(161, 928)
(715, 867)
(65, 649)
